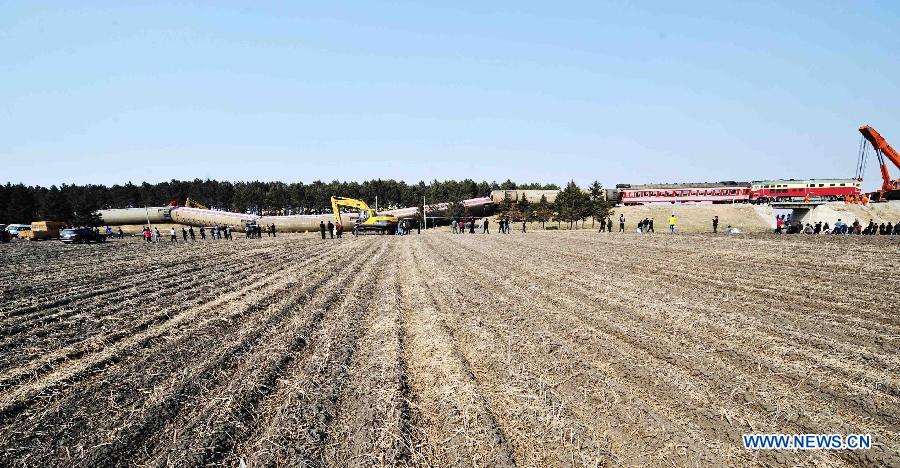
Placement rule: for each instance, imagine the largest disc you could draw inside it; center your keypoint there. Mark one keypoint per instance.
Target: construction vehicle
(46, 230)
(19, 231)
(368, 220)
(890, 188)
(194, 204)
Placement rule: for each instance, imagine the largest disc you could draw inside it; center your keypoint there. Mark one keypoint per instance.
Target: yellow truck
(45, 230)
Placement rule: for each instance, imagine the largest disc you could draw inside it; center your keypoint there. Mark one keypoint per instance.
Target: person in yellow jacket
(672, 224)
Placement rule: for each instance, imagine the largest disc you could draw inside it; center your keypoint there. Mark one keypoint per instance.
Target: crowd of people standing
(216, 232)
(483, 225)
(785, 226)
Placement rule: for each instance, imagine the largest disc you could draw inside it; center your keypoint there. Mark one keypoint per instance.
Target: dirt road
(543, 349)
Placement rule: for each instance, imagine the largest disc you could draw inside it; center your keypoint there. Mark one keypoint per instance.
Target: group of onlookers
(644, 225)
(215, 232)
(471, 225)
(405, 227)
(856, 228)
(255, 231)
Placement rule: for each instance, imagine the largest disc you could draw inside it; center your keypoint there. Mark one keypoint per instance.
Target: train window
(842, 185)
(832, 185)
(821, 185)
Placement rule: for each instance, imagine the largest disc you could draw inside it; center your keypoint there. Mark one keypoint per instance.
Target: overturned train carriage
(292, 223)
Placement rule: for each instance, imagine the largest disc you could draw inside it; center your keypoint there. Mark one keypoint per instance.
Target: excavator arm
(338, 202)
(882, 149)
(193, 204)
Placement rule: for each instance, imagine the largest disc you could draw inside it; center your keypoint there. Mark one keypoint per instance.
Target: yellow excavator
(368, 221)
(193, 204)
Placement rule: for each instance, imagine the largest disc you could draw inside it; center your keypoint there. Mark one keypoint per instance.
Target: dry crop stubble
(819, 403)
(543, 349)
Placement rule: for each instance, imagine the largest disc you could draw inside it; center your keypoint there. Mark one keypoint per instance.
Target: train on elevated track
(761, 191)
(783, 190)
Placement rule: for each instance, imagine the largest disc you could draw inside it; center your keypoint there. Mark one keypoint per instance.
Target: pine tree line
(77, 204)
(571, 205)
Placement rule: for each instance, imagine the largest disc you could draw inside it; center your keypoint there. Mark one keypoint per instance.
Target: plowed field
(538, 349)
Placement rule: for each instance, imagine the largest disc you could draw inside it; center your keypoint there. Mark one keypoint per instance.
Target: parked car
(81, 236)
(16, 230)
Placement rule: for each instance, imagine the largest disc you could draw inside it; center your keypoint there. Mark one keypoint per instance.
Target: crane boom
(882, 149)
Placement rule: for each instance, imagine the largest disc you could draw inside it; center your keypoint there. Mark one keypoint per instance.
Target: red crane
(890, 188)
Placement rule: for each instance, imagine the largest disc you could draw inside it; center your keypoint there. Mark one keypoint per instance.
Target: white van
(15, 229)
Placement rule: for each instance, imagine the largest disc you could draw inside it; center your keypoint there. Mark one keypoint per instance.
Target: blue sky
(532, 91)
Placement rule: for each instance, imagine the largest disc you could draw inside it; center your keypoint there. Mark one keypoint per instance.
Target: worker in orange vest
(865, 199)
(806, 198)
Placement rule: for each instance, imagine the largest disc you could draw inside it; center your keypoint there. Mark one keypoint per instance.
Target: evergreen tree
(523, 209)
(85, 214)
(599, 207)
(455, 210)
(596, 193)
(20, 206)
(570, 204)
(508, 185)
(505, 207)
(543, 211)
(55, 206)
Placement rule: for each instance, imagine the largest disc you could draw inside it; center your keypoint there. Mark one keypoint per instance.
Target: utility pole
(424, 214)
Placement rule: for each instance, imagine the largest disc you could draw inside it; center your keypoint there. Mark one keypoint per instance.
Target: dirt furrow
(296, 418)
(452, 424)
(372, 423)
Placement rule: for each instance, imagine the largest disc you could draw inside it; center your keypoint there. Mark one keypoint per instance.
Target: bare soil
(539, 349)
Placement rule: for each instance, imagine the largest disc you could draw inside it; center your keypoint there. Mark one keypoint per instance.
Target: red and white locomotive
(763, 191)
